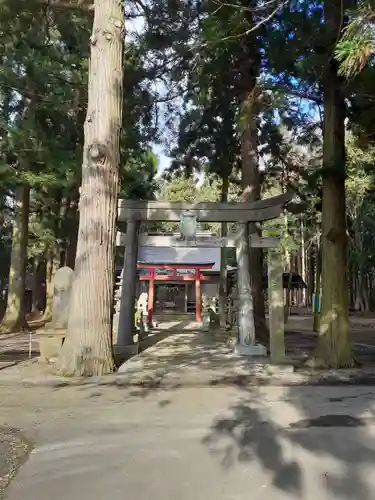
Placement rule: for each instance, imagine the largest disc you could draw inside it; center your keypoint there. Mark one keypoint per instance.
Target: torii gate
(152, 277)
(134, 212)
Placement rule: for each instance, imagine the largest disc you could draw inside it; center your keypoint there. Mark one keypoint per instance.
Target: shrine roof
(174, 265)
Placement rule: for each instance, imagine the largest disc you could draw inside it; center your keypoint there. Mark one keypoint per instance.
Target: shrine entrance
(171, 297)
(175, 273)
(134, 212)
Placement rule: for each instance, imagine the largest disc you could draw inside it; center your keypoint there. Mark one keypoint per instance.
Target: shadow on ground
(17, 356)
(329, 427)
(338, 438)
(328, 431)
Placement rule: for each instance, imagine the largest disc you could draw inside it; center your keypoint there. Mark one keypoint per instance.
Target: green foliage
(179, 188)
(357, 43)
(138, 176)
(43, 95)
(195, 58)
(360, 199)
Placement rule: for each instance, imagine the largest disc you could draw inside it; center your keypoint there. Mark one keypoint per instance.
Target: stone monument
(52, 336)
(62, 291)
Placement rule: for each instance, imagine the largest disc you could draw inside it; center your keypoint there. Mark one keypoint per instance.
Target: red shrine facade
(183, 273)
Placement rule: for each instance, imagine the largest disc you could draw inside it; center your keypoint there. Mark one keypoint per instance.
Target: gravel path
(14, 450)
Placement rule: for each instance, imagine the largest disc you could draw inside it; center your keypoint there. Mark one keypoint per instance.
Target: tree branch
(296, 93)
(66, 4)
(246, 32)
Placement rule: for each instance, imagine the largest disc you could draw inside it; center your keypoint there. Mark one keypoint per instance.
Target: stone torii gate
(134, 212)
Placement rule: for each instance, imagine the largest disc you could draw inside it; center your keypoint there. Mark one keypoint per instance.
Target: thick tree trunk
(311, 275)
(317, 284)
(366, 291)
(54, 252)
(289, 287)
(15, 314)
(88, 346)
(360, 301)
(361, 298)
(68, 226)
(37, 291)
(303, 264)
(288, 269)
(251, 192)
(334, 348)
(223, 262)
(352, 289)
(35, 285)
(61, 225)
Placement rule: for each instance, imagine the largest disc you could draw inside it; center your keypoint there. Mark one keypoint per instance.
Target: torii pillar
(129, 280)
(246, 328)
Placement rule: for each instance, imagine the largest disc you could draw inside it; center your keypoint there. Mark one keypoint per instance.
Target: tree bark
(310, 275)
(334, 348)
(287, 306)
(15, 314)
(361, 299)
(54, 252)
(317, 284)
(223, 262)
(38, 291)
(68, 230)
(303, 264)
(251, 181)
(88, 350)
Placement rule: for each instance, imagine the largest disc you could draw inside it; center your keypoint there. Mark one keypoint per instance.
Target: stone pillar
(129, 277)
(276, 306)
(246, 328)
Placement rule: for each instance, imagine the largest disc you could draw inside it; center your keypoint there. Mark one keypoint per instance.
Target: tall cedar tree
(88, 347)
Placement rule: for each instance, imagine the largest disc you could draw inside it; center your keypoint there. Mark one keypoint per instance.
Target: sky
(164, 161)
(135, 26)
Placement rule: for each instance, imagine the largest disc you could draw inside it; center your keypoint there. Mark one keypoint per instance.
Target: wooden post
(186, 297)
(128, 286)
(151, 287)
(198, 315)
(276, 306)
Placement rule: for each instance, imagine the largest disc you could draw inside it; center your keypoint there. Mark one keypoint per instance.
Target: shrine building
(175, 278)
